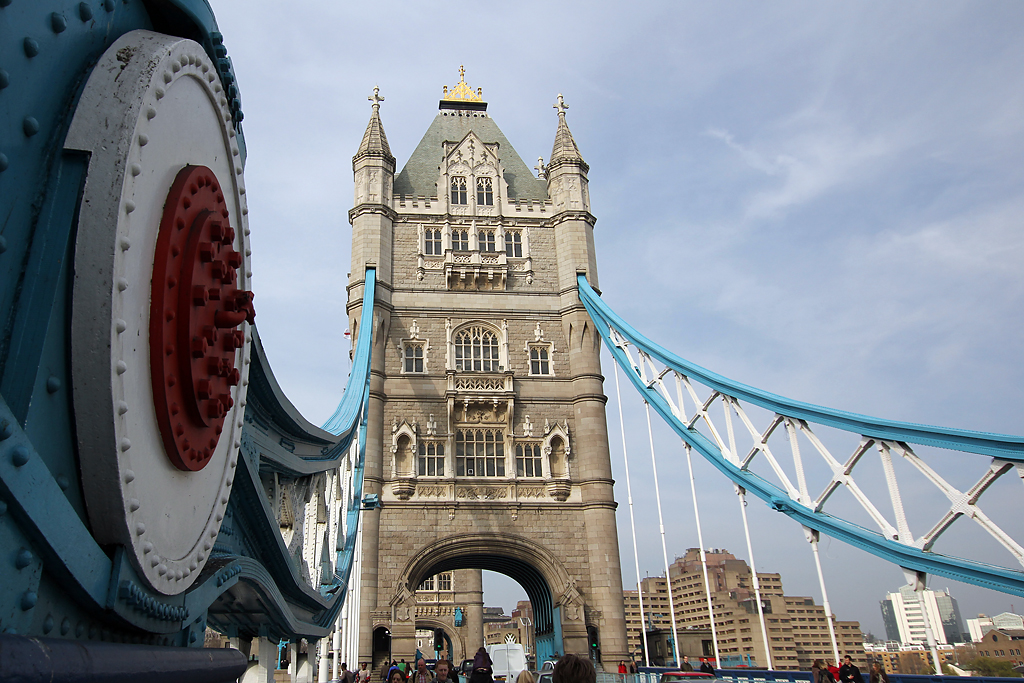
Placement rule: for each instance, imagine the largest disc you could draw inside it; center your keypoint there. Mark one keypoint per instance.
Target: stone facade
(486, 441)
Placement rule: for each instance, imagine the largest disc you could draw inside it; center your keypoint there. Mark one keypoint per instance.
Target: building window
(479, 453)
(431, 459)
(459, 190)
(432, 243)
(476, 350)
(427, 585)
(484, 193)
(528, 463)
(539, 361)
(444, 581)
(514, 244)
(460, 240)
(413, 357)
(486, 238)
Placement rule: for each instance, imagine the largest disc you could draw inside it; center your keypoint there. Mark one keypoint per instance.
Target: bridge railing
(763, 676)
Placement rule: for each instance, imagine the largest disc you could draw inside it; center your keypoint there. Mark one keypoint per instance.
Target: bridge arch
(552, 591)
(457, 644)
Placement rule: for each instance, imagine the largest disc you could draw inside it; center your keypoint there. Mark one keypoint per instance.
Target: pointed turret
(565, 149)
(375, 142)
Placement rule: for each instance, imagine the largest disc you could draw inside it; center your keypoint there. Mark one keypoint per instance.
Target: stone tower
(487, 441)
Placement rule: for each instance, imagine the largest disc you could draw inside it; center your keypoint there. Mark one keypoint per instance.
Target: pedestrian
(482, 667)
(686, 666)
(346, 675)
(833, 669)
(622, 668)
(396, 676)
(422, 674)
(364, 674)
(819, 672)
(524, 677)
(632, 667)
(877, 674)
(441, 670)
(848, 672)
(573, 669)
(384, 671)
(705, 666)
(404, 668)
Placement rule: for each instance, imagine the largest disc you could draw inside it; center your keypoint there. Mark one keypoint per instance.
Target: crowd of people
(826, 671)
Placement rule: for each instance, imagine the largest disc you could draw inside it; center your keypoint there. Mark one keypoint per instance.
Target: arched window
(459, 190)
(460, 240)
(432, 243)
(476, 350)
(484, 192)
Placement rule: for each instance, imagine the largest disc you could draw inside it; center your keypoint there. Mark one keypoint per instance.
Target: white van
(507, 660)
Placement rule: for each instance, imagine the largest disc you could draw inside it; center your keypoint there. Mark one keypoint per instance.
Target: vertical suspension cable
(741, 496)
(661, 525)
(812, 535)
(703, 558)
(632, 524)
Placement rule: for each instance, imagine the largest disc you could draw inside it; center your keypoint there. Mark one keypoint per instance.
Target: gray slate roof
(419, 177)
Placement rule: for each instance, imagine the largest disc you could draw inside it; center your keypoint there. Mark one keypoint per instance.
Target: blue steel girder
(894, 544)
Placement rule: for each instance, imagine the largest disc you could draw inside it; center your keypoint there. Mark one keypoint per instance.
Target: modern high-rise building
(797, 627)
(904, 621)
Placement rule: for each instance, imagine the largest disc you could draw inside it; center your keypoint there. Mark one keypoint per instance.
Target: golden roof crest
(462, 92)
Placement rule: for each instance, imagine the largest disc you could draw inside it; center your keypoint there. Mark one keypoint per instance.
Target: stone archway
(557, 604)
(458, 644)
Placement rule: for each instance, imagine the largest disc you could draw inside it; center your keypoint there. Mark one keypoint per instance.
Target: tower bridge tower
(487, 441)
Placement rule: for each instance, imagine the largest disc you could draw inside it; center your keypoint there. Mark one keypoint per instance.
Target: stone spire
(375, 142)
(565, 149)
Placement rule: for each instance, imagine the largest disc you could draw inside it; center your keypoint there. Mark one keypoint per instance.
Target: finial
(376, 98)
(461, 91)
(540, 168)
(561, 106)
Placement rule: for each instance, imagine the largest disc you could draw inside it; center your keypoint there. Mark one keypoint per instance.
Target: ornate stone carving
(559, 489)
(403, 488)
(432, 491)
(481, 492)
(532, 492)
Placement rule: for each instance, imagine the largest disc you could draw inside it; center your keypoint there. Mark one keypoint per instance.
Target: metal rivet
(5, 79)
(20, 456)
(168, 77)
(126, 244)
(133, 504)
(65, 626)
(23, 558)
(31, 46)
(129, 206)
(122, 284)
(129, 476)
(136, 169)
(159, 92)
(140, 528)
(3, 508)
(48, 623)
(150, 113)
(4, 3)
(161, 569)
(3, 167)
(175, 67)
(108, 5)
(120, 325)
(121, 367)
(84, 11)
(122, 407)
(125, 444)
(30, 126)
(28, 600)
(147, 548)
(58, 23)
(143, 139)
(52, 384)
(63, 482)
(6, 431)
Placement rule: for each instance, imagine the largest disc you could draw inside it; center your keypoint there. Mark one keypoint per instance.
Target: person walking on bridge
(848, 672)
(422, 674)
(441, 670)
(573, 669)
(686, 666)
(482, 667)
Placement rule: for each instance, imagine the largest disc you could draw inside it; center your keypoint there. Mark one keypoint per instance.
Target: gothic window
(427, 584)
(528, 462)
(479, 453)
(460, 240)
(540, 362)
(431, 460)
(486, 238)
(444, 581)
(513, 243)
(476, 350)
(484, 192)
(432, 243)
(413, 357)
(459, 190)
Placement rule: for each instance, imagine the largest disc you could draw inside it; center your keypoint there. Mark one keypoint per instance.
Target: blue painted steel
(1007, 447)
(345, 415)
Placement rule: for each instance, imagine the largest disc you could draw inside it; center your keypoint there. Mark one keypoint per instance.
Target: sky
(824, 200)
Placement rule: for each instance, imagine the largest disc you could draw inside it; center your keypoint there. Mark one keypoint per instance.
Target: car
(466, 668)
